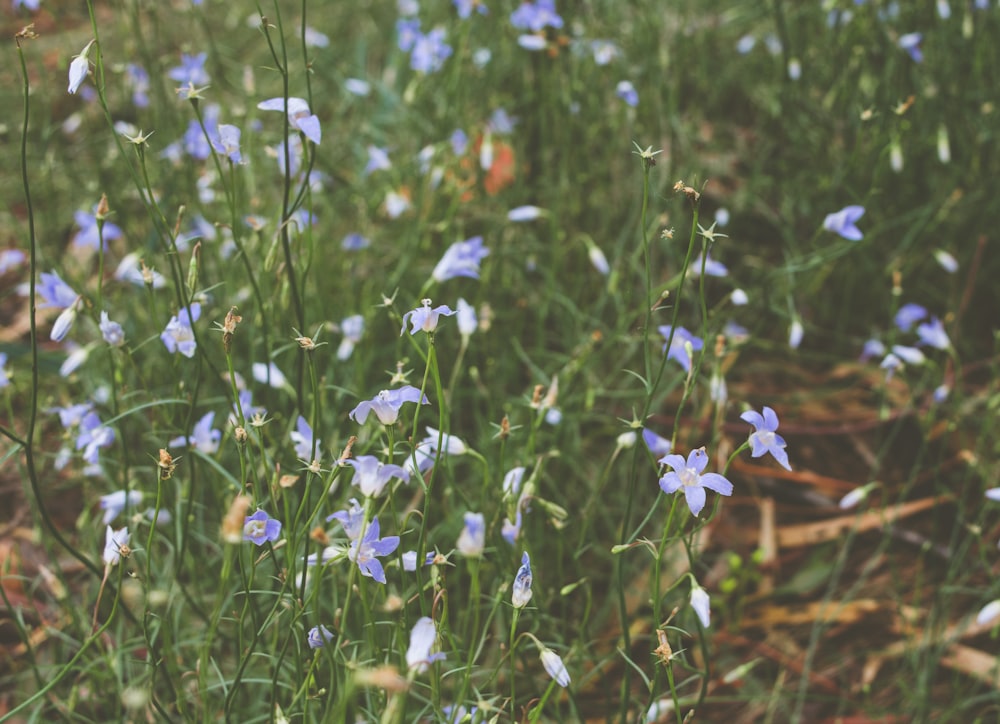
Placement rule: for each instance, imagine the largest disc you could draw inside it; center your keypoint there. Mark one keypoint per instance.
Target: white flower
(555, 667)
(114, 541)
(78, 68)
(472, 539)
(700, 604)
(422, 638)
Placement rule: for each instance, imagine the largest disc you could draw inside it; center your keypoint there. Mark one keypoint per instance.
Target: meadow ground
(498, 361)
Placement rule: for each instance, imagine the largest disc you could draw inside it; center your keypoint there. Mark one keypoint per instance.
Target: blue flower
(55, 292)
(352, 328)
(627, 92)
(364, 551)
(4, 374)
(371, 475)
(908, 315)
(472, 539)
(354, 242)
(423, 318)
(765, 439)
(555, 667)
(89, 236)
(351, 519)
(299, 116)
(138, 79)
(318, 637)
(191, 71)
(461, 260)
(429, 52)
(422, 639)
(678, 346)
(386, 404)
(520, 593)
(701, 604)
(843, 222)
(933, 335)
(302, 436)
(535, 16)
(93, 435)
(114, 503)
(178, 336)
(78, 69)
(112, 332)
(465, 7)
(203, 437)
(657, 445)
(911, 44)
(226, 141)
(378, 160)
(260, 528)
(407, 31)
(116, 545)
(687, 476)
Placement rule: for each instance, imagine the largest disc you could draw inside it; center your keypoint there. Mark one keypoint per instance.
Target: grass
(817, 613)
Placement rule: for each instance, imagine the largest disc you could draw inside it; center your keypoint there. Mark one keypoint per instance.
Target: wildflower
(93, 435)
(933, 335)
(90, 234)
(472, 539)
(910, 355)
(114, 503)
(387, 403)
(269, 374)
(682, 347)
(260, 528)
(299, 115)
(78, 68)
(424, 318)
(843, 222)
(63, 324)
(302, 436)
(521, 592)
(988, 612)
(227, 142)
(371, 475)
(31, 5)
(856, 496)
(535, 16)
(111, 331)
(555, 667)
(598, 260)
(448, 443)
(354, 242)
(911, 44)
(137, 79)
(524, 213)
(396, 204)
(116, 545)
(908, 315)
(352, 327)
(319, 636)
(178, 336)
(191, 71)
(512, 481)
(713, 268)
(316, 39)
(627, 92)
(465, 8)
(739, 298)
(466, 318)
(764, 438)
(378, 160)
(604, 51)
(421, 460)
(700, 604)
(422, 638)
(4, 373)
(993, 494)
(795, 332)
(357, 87)
(687, 475)
(429, 51)
(72, 415)
(657, 445)
(510, 531)
(55, 292)
(11, 259)
(461, 260)
(364, 551)
(203, 437)
(948, 262)
(131, 269)
(351, 519)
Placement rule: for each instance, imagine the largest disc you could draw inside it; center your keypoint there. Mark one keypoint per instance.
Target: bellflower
(687, 476)
(131, 269)
(765, 439)
(378, 160)
(299, 116)
(422, 639)
(911, 44)
(429, 51)
(448, 443)
(352, 328)
(114, 542)
(318, 637)
(461, 260)
(598, 260)
(396, 204)
(89, 236)
(260, 528)
(988, 612)
(932, 334)
(512, 481)
(4, 372)
(78, 68)
(678, 346)
(700, 603)
(510, 531)
(844, 222)
(64, 322)
(191, 71)
(114, 503)
(269, 374)
(524, 213)
(227, 142)
(424, 456)
(72, 415)
(178, 336)
(137, 79)
(908, 315)
(302, 436)
(111, 331)
(371, 475)
(92, 436)
(472, 539)
(555, 667)
(465, 7)
(364, 551)
(713, 268)
(354, 242)
(795, 332)
(535, 16)
(351, 519)
(627, 92)
(521, 591)
(55, 292)
(425, 319)
(11, 259)
(203, 437)
(466, 318)
(387, 403)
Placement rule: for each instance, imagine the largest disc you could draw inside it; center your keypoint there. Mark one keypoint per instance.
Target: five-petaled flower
(386, 404)
(178, 336)
(461, 260)
(679, 345)
(203, 437)
(844, 222)
(363, 551)
(424, 318)
(765, 439)
(687, 475)
(261, 528)
(116, 545)
(371, 475)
